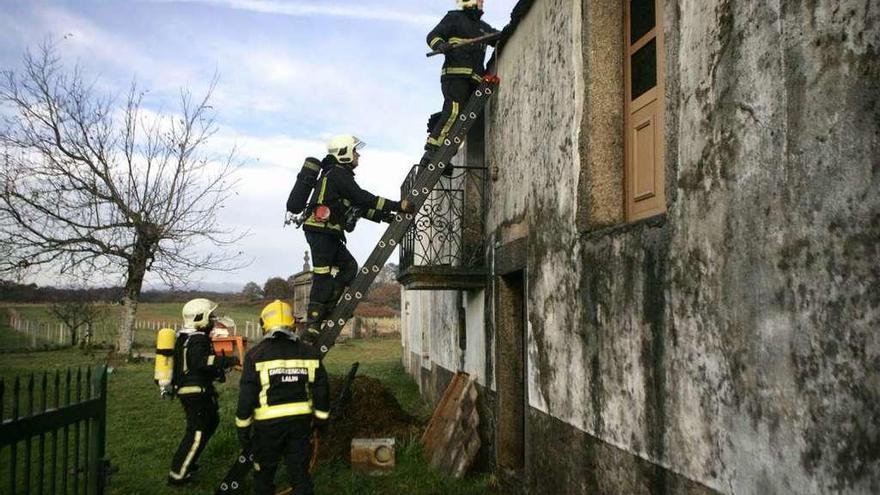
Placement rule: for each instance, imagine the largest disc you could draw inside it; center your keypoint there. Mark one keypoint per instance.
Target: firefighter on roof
(336, 205)
(284, 394)
(196, 368)
(463, 69)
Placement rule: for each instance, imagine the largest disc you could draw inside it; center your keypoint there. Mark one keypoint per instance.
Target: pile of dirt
(372, 412)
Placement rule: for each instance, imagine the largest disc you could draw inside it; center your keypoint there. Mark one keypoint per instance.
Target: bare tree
(92, 186)
(81, 313)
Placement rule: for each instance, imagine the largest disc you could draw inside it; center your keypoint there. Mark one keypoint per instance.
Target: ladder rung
(425, 181)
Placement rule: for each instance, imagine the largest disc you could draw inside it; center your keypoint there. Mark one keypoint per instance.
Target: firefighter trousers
(456, 92)
(328, 252)
(202, 418)
(287, 440)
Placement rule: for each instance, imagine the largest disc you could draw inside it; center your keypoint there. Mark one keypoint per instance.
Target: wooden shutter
(644, 135)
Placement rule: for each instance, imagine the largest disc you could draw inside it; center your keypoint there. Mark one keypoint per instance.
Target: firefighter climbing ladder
(422, 187)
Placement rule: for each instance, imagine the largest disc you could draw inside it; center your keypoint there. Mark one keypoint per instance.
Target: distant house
(677, 282)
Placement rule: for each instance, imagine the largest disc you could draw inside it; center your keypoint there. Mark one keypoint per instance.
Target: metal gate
(53, 429)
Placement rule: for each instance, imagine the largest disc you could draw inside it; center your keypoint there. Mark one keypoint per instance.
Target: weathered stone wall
(772, 279)
(731, 344)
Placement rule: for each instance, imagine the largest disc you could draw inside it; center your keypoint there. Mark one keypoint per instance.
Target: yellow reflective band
(264, 387)
(322, 414)
(476, 77)
(192, 389)
(321, 270)
(436, 40)
(263, 369)
(282, 410)
(189, 457)
(380, 203)
(453, 114)
(323, 225)
(244, 423)
(463, 71)
(287, 363)
(211, 359)
(455, 40)
(323, 190)
(435, 142)
(311, 166)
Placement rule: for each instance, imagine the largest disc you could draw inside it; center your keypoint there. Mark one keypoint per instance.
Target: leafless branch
(93, 186)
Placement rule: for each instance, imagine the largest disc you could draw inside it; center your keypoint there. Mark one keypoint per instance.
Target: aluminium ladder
(421, 188)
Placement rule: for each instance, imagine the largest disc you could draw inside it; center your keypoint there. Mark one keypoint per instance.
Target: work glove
(442, 47)
(406, 206)
(166, 392)
(310, 336)
(389, 217)
(244, 438)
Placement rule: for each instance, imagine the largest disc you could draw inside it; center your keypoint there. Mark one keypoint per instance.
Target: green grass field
(144, 430)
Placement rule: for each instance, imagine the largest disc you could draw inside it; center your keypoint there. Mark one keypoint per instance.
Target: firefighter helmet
(277, 315)
(343, 147)
(468, 4)
(197, 313)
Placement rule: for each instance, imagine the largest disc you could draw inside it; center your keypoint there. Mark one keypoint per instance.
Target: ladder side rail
(424, 183)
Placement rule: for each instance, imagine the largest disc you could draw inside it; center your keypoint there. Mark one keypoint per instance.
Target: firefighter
(463, 69)
(284, 394)
(196, 370)
(336, 204)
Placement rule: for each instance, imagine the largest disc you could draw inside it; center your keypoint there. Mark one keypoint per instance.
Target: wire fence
(25, 334)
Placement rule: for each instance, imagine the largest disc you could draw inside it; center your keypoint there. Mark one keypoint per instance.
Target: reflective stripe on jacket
(338, 190)
(455, 27)
(282, 378)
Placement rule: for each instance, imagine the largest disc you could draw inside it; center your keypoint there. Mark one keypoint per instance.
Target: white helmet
(343, 147)
(467, 4)
(197, 313)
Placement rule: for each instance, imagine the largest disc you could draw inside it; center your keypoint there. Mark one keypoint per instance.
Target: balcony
(443, 248)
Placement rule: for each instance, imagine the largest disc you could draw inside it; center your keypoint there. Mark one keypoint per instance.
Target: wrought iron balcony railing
(443, 249)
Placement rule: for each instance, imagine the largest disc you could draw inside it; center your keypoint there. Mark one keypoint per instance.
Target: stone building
(679, 284)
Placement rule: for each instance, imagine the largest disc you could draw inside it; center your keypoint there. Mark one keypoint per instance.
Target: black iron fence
(53, 433)
(448, 229)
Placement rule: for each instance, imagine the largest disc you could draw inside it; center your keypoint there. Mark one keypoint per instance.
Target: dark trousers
(456, 93)
(328, 252)
(287, 440)
(202, 418)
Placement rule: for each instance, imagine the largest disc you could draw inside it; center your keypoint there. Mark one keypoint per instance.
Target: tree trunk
(125, 337)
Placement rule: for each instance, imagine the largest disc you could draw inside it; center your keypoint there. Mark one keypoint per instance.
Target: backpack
(306, 180)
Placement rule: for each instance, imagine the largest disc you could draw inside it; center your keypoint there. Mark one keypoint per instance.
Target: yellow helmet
(276, 315)
(343, 147)
(467, 4)
(197, 313)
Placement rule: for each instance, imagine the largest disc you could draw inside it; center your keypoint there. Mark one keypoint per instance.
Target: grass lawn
(143, 430)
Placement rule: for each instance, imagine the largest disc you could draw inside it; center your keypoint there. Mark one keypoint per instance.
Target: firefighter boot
(314, 318)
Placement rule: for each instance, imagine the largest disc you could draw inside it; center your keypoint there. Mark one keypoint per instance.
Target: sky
(292, 73)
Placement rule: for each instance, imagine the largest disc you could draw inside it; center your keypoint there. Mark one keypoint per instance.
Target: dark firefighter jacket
(282, 379)
(196, 365)
(338, 190)
(457, 26)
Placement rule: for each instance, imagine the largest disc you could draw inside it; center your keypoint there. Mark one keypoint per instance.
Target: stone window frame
(602, 189)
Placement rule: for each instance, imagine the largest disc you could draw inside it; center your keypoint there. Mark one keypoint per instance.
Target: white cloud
(300, 9)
